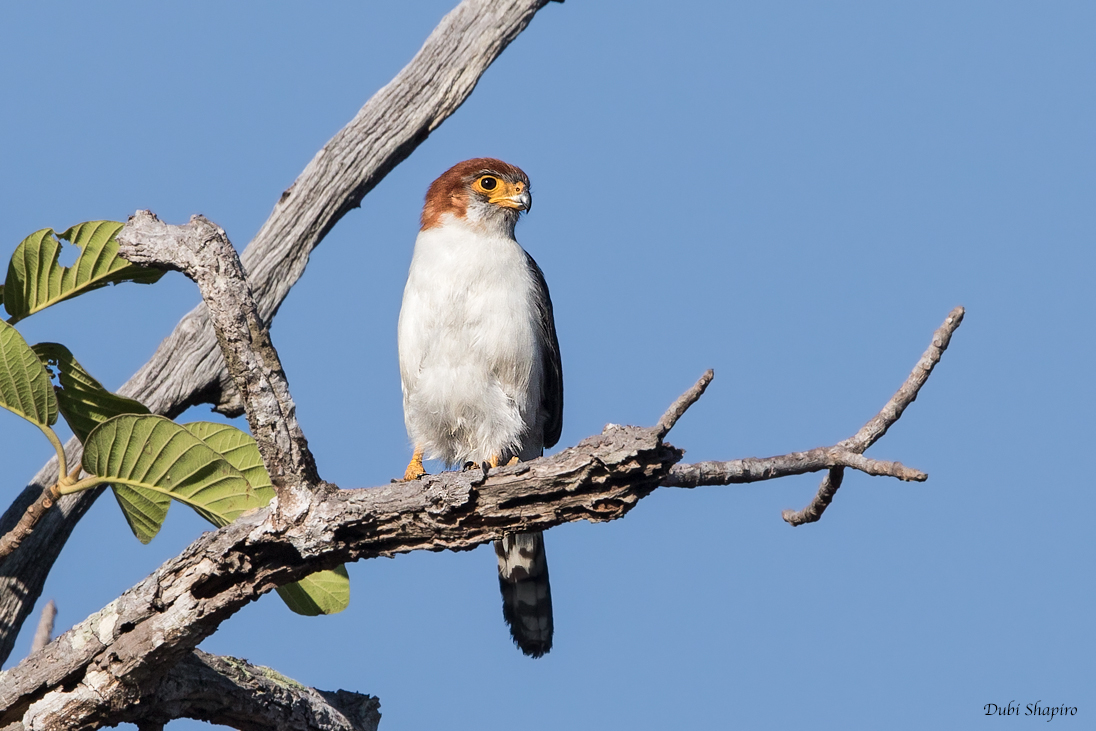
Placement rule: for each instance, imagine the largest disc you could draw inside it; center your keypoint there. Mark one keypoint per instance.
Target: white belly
(469, 356)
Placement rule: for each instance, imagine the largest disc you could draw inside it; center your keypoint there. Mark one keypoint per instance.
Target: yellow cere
(499, 191)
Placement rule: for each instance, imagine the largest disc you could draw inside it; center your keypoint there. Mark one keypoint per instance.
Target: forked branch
(93, 671)
(847, 453)
(201, 250)
(187, 369)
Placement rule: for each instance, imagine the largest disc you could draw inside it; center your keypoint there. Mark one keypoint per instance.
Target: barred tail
(526, 594)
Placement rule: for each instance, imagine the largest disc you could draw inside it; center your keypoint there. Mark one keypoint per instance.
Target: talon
(414, 469)
(513, 461)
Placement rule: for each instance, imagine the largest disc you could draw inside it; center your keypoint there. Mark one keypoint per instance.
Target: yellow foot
(414, 469)
(494, 461)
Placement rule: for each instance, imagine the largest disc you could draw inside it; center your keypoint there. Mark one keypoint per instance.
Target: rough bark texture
(187, 368)
(201, 250)
(26, 524)
(93, 673)
(234, 693)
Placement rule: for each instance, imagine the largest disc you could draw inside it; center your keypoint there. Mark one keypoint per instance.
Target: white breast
(469, 356)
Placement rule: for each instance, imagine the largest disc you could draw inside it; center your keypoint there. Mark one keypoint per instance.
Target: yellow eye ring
(488, 182)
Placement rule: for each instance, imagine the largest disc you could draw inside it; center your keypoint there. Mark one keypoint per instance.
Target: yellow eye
(488, 182)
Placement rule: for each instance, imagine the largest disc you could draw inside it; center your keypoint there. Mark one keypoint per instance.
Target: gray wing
(551, 390)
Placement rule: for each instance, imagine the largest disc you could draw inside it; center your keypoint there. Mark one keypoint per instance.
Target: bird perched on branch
(479, 360)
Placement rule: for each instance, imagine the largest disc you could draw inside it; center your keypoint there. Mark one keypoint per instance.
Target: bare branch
(187, 368)
(44, 633)
(33, 513)
(202, 251)
(684, 401)
(754, 469)
(234, 693)
(90, 674)
(822, 499)
(848, 453)
(870, 433)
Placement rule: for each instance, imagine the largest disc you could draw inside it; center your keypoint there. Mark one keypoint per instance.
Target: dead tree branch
(187, 368)
(201, 250)
(44, 633)
(234, 693)
(90, 675)
(12, 539)
(684, 401)
(871, 432)
(848, 453)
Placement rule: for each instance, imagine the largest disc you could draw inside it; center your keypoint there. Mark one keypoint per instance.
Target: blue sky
(794, 194)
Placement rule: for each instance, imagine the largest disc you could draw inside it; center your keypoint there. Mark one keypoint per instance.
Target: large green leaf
(36, 280)
(324, 592)
(25, 388)
(152, 457)
(85, 404)
(239, 450)
(83, 401)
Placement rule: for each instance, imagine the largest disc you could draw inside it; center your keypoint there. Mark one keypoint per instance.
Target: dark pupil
(489, 183)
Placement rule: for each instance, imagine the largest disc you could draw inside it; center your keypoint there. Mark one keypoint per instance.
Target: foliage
(148, 460)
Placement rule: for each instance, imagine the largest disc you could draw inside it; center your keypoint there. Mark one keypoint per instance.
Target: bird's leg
(415, 469)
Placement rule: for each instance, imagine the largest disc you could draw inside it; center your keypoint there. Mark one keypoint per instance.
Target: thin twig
(31, 516)
(870, 433)
(682, 404)
(757, 469)
(834, 460)
(44, 633)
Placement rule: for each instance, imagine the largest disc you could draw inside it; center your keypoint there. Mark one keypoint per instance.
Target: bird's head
(483, 192)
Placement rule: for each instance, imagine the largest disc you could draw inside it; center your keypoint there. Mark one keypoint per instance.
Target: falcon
(479, 359)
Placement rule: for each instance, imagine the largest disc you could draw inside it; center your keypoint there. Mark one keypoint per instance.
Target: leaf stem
(85, 484)
(62, 461)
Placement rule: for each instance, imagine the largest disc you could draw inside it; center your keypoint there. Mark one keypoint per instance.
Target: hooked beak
(520, 199)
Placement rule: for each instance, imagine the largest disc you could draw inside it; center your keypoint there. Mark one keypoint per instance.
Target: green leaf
(239, 450)
(36, 280)
(25, 388)
(85, 404)
(324, 592)
(154, 457)
(144, 510)
(82, 400)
